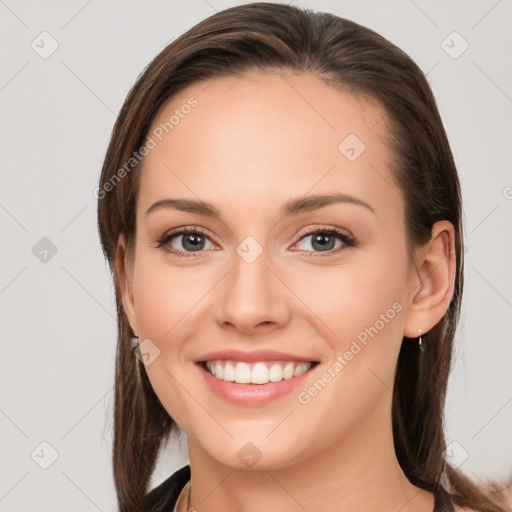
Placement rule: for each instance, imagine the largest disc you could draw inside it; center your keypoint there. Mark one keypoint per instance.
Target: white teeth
(256, 373)
(219, 371)
(276, 373)
(300, 369)
(229, 372)
(259, 374)
(242, 373)
(288, 371)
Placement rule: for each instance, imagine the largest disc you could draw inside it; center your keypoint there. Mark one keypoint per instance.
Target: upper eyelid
(315, 229)
(306, 232)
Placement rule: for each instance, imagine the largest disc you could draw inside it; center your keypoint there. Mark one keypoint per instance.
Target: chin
(257, 455)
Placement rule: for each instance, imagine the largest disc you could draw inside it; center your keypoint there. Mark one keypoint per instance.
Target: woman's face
(267, 273)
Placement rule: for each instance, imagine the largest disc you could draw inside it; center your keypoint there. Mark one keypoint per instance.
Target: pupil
(323, 240)
(194, 239)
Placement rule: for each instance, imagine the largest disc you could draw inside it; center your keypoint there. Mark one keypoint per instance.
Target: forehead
(272, 135)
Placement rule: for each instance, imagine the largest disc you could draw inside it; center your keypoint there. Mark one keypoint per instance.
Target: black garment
(163, 498)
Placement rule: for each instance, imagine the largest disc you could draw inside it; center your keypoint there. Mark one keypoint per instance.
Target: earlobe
(124, 272)
(432, 282)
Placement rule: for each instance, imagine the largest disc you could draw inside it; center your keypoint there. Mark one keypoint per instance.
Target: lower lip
(253, 394)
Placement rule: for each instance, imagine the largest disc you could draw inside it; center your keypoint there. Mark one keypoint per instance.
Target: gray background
(58, 329)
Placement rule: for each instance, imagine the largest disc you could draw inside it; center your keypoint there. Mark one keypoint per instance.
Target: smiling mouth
(261, 372)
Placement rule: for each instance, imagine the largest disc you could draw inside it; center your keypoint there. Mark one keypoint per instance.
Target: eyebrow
(293, 207)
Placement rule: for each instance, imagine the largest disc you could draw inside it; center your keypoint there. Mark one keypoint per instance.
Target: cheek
(166, 299)
(375, 331)
(363, 306)
(349, 299)
(165, 295)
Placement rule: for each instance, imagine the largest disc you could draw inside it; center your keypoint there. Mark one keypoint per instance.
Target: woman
(281, 211)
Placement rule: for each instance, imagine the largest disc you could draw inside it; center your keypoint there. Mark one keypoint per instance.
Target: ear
(431, 280)
(124, 272)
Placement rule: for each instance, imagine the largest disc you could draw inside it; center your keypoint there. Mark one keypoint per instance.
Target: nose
(252, 297)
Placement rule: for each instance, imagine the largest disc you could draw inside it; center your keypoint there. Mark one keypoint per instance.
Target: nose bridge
(251, 294)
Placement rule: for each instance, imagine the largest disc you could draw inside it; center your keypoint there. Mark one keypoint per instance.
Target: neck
(358, 474)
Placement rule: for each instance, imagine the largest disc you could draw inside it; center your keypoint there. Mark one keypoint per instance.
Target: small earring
(420, 343)
(133, 340)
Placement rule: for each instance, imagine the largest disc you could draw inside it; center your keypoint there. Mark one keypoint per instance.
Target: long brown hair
(345, 55)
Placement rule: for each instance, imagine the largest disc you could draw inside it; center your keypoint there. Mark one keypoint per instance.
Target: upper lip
(256, 355)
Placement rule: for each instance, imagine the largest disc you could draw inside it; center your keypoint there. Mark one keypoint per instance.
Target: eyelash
(347, 240)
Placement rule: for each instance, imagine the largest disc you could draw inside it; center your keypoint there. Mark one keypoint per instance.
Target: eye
(324, 240)
(192, 240)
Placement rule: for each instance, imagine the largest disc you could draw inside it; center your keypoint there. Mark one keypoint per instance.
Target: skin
(250, 145)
